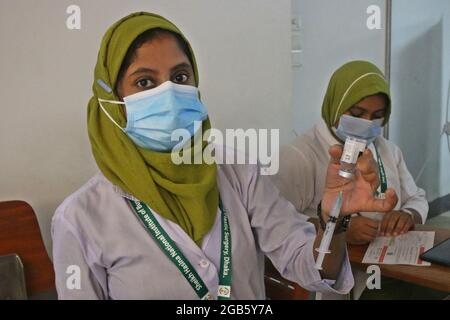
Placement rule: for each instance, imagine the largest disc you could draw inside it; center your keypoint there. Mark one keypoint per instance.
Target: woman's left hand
(396, 223)
(359, 192)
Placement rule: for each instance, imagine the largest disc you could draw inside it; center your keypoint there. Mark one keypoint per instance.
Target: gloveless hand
(396, 223)
(358, 192)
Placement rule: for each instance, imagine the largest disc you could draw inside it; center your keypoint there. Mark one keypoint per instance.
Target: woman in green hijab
(147, 228)
(357, 98)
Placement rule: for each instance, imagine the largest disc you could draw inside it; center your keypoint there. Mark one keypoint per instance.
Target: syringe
(329, 230)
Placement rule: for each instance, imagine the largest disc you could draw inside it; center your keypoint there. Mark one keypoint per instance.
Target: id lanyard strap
(171, 250)
(383, 179)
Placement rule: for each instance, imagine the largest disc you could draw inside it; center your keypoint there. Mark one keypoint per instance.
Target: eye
(356, 114)
(144, 83)
(378, 115)
(181, 78)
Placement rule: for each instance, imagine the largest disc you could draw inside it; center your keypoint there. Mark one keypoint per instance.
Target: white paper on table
(404, 249)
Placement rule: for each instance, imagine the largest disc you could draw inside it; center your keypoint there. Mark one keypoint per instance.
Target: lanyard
(383, 180)
(171, 250)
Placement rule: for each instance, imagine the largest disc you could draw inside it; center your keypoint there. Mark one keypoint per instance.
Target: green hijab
(350, 84)
(186, 194)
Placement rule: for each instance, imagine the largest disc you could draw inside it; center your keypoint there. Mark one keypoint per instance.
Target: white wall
(419, 80)
(334, 32)
(243, 49)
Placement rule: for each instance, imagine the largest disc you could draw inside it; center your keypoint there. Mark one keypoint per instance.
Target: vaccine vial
(353, 148)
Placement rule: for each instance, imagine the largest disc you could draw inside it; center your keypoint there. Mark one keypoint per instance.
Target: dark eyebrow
(148, 70)
(364, 110)
(180, 66)
(144, 70)
(358, 109)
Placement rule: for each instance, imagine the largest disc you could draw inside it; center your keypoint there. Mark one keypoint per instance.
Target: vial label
(350, 154)
(352, 148)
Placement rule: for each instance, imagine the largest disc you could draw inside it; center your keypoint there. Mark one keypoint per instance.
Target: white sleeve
(75, 279)
(411, 195)
(287, 239)
(296, 177)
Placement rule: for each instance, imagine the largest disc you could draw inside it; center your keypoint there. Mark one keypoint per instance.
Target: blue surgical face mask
(153, 115)
(359, 128)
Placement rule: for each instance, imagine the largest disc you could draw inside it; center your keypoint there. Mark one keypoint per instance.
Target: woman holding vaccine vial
(147, 228)
(357, 103)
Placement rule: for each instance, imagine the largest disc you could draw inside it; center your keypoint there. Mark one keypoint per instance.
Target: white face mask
(359, 128)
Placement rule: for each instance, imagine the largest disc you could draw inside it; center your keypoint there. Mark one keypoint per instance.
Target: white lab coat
(303, 165)
(96, 230)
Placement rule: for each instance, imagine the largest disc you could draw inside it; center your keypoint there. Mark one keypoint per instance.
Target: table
(435, 276)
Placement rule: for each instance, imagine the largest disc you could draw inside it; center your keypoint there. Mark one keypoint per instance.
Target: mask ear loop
(107, 114)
